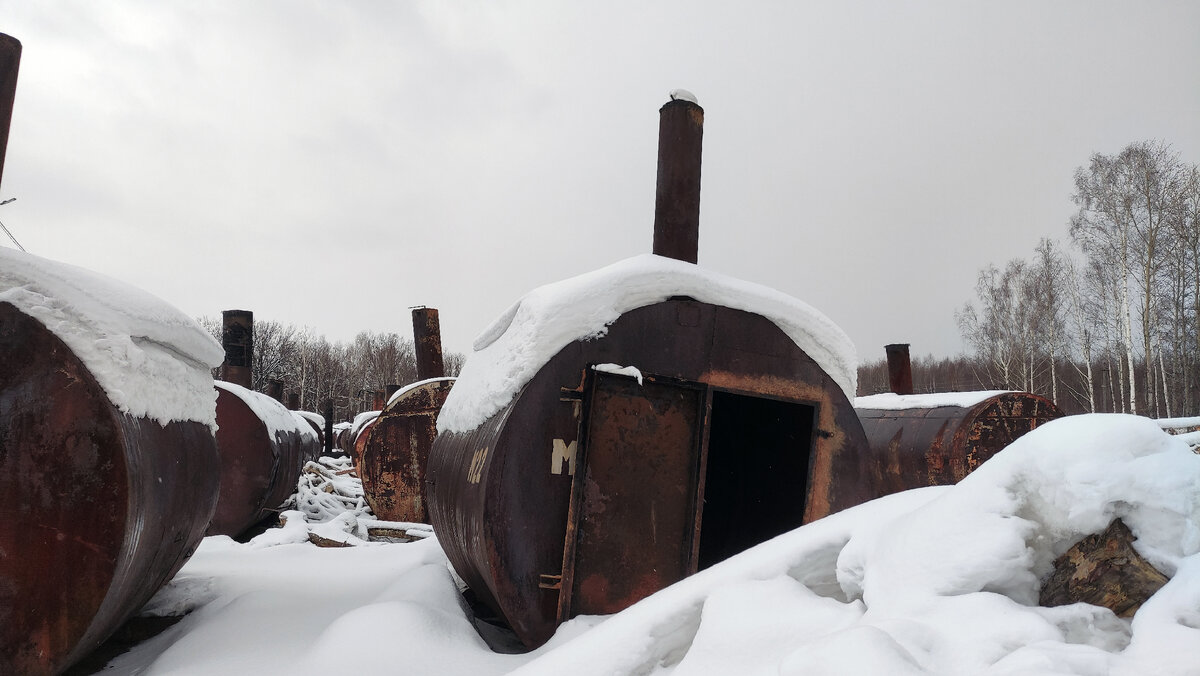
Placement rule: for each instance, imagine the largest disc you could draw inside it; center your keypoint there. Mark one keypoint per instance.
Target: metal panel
(641, 462)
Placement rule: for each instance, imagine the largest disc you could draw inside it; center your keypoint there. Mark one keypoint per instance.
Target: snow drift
(151, 359)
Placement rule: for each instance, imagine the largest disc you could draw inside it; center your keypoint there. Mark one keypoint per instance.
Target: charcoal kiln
(396, 452)
(263, 448)
(616, 432)
(109, 473)
(937, 439)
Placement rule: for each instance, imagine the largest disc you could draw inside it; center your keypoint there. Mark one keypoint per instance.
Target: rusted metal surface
(358, 443)
(427, 337)
(939, 446)
(100, 509)
(275, 390)
(394, 455)
(10, 62)
(259, 467)
(500, 495)
(677, 196)
(899, 368)
(640, 460)
(237, 337)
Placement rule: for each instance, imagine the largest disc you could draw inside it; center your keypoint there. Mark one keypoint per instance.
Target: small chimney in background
(899, 368)
(328, 413)
(275, 390)
(427, 339)
(677, 195)
(237, 337)
(293, 402)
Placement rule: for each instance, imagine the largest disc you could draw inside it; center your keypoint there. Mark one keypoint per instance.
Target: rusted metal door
(632, 523)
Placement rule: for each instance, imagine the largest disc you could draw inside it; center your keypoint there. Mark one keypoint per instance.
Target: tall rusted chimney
(677, 197)
(427, 336)
(899, 368)
(10, 61)
(237, 336)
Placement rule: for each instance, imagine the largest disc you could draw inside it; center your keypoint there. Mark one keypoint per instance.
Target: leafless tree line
(348, 373)
(1108, 323)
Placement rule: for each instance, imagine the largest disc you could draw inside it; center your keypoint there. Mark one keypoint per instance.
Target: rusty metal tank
(591, 489)
(937, 439)
(395, 454)
(100, 508)
(263, 448)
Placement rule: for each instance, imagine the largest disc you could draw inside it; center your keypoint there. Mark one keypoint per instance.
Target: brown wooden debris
(326, 542)
(1103, 569)
(388, 534)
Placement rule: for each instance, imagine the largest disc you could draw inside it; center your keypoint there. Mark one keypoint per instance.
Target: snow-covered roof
(362, 420)
(511, 351)
(412, 386)
(152, 360)
(315, 418)
(889, 401)
(274, 415)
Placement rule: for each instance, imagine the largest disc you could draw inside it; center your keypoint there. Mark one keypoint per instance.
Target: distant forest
(348, 373)
(1107, 323)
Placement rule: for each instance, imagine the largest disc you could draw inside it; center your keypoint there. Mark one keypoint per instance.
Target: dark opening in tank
(757, 473)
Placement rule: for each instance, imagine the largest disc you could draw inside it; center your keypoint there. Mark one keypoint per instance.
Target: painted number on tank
(563, 452)
(475, 471)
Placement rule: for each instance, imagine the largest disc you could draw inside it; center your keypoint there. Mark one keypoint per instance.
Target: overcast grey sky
(332, 163)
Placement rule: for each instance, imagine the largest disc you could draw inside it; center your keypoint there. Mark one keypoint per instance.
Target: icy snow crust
(898, 402)
(939, 580)
(151, 360)
(512, 350)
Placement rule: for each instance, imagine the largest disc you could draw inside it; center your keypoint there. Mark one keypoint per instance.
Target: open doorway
(757, 472)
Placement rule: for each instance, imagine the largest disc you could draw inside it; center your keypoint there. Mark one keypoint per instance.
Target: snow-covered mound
(151, 359)
(889, 401)
(940, 580)
(512, 350)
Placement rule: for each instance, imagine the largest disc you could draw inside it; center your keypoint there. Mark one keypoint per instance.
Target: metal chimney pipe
(677, 196)
(10, 62)
(379, 401)
(275, 390)
(328, 413)
(899, 368)
(293, 402)
(427, 337)
(237, 337)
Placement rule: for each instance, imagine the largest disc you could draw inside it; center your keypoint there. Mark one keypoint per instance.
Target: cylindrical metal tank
(99, 510)
(395, 454)
(263, 448)
(732, 436)
(937, 439)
